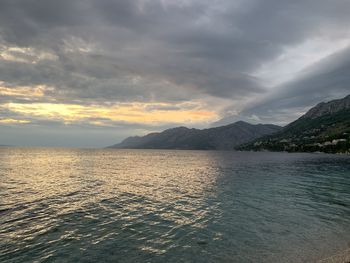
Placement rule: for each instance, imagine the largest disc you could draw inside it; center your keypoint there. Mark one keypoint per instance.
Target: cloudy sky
(89, 73)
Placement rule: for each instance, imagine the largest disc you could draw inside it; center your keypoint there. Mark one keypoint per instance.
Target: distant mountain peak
(242, 123)
(331, 107)
(180, 128)
(218, 138)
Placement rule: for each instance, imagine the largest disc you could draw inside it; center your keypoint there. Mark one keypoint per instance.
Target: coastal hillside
(324, 128)
(218, 138)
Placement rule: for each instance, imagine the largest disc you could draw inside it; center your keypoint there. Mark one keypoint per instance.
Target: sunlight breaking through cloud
(103, 115)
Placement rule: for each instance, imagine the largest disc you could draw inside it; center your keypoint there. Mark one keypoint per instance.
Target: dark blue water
(63, 205)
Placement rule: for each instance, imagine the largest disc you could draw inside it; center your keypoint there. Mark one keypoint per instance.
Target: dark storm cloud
(205, 47)
(23, 22)
(328, 79)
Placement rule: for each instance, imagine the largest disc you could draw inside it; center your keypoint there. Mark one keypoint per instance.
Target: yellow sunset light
(23, 91)
(133, 112)
(13, 121)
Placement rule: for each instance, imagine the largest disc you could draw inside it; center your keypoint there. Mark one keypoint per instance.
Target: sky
(90, 73)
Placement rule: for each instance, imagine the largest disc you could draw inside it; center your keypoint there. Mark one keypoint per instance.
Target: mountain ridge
(329, 107)
(217, 138)
(324, 128)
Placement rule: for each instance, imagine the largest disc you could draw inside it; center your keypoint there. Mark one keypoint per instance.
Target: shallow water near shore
(71, 205)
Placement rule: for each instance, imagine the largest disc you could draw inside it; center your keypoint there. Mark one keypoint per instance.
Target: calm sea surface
(68, 205)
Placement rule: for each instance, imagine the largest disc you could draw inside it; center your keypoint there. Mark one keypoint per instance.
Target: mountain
(218, 138)
(324, 128)
(328, 108)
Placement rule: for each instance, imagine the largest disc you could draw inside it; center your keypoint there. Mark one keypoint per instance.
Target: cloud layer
(180, 61)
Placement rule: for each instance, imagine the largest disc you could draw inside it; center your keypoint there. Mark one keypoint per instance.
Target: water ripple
(171, 206)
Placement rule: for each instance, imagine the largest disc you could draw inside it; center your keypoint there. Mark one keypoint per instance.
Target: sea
(109, 205)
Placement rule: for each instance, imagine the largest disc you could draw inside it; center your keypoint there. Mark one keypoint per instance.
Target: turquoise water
(66, 205)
